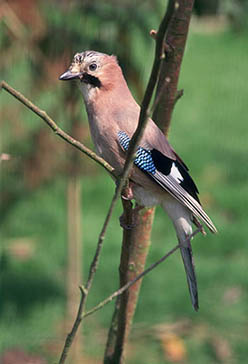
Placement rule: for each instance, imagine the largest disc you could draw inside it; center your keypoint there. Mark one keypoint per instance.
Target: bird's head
(94, 70)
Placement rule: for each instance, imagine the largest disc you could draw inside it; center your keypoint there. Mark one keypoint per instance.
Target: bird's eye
(93, 66)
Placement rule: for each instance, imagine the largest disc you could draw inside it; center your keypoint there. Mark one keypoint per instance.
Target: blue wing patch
(124, 140)
(153, 161)
(143, 158)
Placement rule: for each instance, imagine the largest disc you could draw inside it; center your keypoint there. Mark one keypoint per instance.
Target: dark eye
(93, 66)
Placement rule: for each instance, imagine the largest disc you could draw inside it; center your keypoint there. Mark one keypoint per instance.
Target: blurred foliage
(206, 7)
(237, 12)
(38, 45)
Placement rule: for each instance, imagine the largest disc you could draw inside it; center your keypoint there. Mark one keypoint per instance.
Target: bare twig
(141, 275)
(86, 289)
(179, 94)
(51, 123)
(71, 335)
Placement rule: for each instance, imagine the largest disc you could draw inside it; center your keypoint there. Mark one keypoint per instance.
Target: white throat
(88, 91)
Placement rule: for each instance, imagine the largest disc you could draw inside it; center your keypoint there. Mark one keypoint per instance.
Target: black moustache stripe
(92, 80)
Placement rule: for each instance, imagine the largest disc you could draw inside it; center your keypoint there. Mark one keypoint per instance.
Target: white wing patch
(175, 173)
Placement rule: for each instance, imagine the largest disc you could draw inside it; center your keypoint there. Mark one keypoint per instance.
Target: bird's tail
(188, 262)
(182, 220)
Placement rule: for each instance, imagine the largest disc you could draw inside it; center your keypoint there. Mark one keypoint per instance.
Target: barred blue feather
(143, 158)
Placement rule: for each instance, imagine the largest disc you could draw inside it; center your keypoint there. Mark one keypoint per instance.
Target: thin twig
(71, 335)
(179, 94)
(51, 123)
(94, 263)
(141, 275)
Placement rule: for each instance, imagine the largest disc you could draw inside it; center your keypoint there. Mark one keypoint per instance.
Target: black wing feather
(164, 164)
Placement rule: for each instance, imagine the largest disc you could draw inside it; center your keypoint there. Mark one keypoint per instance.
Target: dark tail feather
(190, 273)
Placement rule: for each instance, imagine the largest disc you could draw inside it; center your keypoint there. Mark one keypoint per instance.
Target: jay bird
(159, 176)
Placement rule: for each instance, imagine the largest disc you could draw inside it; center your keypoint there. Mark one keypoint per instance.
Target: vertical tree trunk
(135, 247)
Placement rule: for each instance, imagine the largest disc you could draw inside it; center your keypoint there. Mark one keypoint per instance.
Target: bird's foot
(128, 192)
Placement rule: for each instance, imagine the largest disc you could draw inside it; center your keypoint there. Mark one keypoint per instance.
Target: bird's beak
(69, 75)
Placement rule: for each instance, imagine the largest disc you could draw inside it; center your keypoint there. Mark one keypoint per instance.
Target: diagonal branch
(51, 123)
(138, 277)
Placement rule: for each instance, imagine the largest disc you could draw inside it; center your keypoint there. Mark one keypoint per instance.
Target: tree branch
(129, 284)
(51, 123)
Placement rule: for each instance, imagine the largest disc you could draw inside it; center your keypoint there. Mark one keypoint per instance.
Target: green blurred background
(48, 239)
